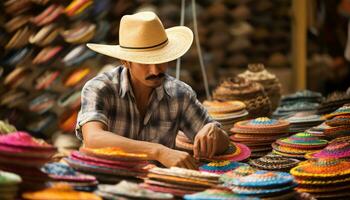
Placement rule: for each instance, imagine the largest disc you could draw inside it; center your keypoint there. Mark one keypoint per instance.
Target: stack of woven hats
(263, 184)
(108, 165)
(337, 149)
(338, 122)
(62, 173)
(300, 101)
(302, 121)
(251, 93)
(271, 84)
(226, 112)
(297, 145)
(179, 181)
(258, 134)
(9, 185)
(220, 167)
(333, 102)
(274, 162)
(235, 151)
(318, 130)
(24, 155)
(129, 190)
(323, 178)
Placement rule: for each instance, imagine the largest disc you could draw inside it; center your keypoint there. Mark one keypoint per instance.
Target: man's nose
(155, 69)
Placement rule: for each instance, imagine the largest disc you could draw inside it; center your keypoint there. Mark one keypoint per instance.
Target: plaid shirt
(173, 106)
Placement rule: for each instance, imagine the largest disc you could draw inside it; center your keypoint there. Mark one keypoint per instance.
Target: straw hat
(143, 39)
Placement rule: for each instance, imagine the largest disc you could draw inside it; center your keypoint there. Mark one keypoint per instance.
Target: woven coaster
(217, 194)
(111, 153)
(303, 141)
(339, 149)
(322, 168)
(220, 167)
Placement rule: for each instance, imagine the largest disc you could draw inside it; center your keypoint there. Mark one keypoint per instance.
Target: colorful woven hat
(339, 149)
(223, 106)
(220, 167)
(303, 141)
(235, 152)
(341, 120)
(262, 178)
(274, 162)
(339, 131)
(217, 194)
(241, 171)
(323, 169)
(24, 140)
(291, 150)
(62, 172)
(261, 125)
(344, 110)
(304, 117)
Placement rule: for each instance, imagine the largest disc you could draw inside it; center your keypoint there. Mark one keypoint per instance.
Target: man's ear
(125, 63)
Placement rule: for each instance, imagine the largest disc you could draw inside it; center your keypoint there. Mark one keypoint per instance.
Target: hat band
(149, 47)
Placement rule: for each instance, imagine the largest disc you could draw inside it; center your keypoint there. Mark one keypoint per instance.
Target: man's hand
(174, 158)
(210, 140)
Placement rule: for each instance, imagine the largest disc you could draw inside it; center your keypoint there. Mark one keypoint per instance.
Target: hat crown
(141, 31)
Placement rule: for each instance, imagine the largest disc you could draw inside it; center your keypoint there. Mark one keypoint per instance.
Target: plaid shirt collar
(125, 86)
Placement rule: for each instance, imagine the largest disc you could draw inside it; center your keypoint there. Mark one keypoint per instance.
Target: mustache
(155, 77)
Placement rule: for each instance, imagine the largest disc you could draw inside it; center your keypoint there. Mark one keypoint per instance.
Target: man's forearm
(101, 138)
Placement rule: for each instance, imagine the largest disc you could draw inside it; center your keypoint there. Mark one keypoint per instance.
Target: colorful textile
(335, 149)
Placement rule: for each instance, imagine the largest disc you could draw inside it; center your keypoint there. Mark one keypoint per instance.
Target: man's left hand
(210, 140)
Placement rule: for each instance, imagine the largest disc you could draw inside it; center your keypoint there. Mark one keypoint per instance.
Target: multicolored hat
(240, 171)
(217, 194)
(262, 125)
(274, 162)
(339, 131)
(262, 191)
(223, 106)
(337, 150)
(303, 117)
(303, 141)
(220, 167)
(262, 178)
(24, 140)
(291, 150)
(341, 120)
(344, 110)
(322, 168)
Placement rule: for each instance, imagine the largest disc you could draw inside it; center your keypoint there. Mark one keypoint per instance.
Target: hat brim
(180, 39)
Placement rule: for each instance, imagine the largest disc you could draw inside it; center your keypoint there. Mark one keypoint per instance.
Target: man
(137, 107)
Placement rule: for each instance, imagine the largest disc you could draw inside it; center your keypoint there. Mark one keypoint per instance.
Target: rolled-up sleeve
(194, 116)
(93, 105)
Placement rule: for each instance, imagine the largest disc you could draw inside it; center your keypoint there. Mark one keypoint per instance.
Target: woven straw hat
(143, 39)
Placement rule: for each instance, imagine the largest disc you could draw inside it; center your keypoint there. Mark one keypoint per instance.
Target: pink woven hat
(24, 140)
(335, 149)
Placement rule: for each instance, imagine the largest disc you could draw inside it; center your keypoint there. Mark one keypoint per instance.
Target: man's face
(151, 75)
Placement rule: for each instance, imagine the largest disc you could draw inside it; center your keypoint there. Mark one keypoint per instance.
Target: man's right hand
(174, 158)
